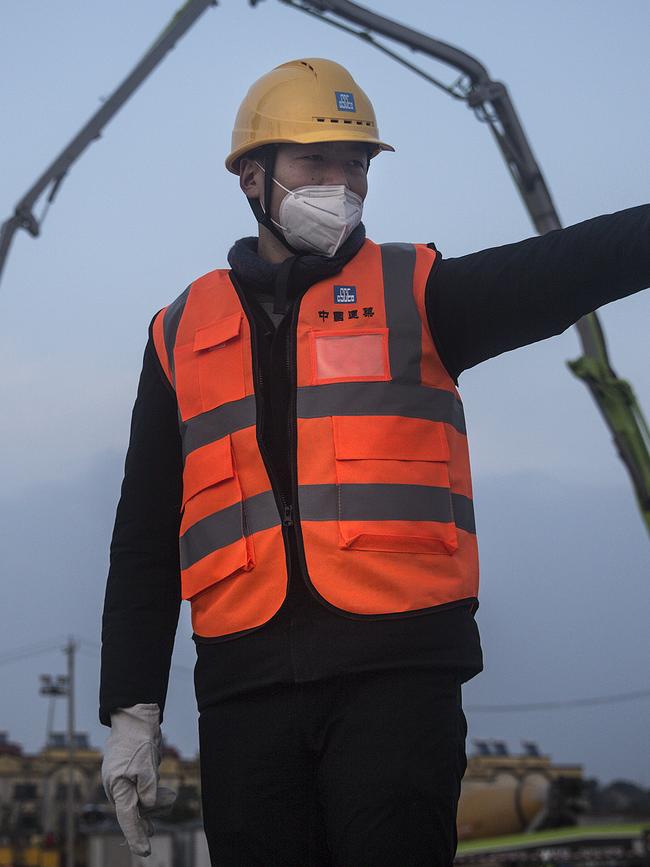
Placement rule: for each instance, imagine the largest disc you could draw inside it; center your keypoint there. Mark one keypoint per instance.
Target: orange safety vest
(381, 502)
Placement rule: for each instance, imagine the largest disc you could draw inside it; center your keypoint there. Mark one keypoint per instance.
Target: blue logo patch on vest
(345, 294)
(345, 101)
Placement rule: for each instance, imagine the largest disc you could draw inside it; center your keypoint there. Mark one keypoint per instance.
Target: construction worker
(298, 470)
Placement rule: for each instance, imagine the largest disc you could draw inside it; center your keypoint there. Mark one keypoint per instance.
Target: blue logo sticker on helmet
(345, 101)
(345, 294)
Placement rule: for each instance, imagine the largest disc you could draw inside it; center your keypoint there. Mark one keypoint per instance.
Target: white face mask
(318, 219)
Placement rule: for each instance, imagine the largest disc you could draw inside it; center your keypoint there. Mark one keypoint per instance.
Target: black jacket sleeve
(489, 302)
(142, 600)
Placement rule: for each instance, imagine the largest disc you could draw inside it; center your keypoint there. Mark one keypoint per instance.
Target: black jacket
(478, 306)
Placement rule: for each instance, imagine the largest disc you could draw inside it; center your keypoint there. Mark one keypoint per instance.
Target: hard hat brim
(344, 135)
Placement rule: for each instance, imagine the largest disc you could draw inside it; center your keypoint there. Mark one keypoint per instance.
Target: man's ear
(251, 178)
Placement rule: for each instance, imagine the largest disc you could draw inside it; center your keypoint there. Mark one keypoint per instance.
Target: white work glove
(130, 773)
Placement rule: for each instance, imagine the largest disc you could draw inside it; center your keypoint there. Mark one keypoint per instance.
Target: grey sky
(565, 593)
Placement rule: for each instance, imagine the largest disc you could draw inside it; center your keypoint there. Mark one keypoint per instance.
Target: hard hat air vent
(339, 120)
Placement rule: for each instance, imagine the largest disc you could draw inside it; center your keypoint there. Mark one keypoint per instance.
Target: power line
(32, 650)
(183, 669)
(614, 698)
(85, 651)
(91, 648)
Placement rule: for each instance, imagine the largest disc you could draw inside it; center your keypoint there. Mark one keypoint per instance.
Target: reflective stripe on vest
(384, 498)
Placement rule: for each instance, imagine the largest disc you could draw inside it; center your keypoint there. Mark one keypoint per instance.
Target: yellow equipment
(303, 102)
(31, 856)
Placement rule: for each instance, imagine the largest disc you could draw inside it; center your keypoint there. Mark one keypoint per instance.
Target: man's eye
(315, 157)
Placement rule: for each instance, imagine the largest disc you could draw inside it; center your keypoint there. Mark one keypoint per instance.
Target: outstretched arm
(498, 299)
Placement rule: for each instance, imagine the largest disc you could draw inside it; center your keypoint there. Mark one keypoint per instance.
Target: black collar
(289, 278)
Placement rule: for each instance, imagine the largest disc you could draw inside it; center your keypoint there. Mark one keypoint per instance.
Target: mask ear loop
(261, 216)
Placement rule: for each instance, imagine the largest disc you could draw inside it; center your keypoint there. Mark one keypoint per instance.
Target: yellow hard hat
(302, 102)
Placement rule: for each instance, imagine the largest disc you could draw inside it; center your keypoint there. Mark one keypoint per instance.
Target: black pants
(361, 770)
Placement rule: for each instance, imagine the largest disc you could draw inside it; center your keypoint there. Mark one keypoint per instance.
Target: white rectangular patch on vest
(350, 354)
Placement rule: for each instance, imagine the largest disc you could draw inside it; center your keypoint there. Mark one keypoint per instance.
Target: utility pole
(53, 688)
(64, 686)
(70, 650)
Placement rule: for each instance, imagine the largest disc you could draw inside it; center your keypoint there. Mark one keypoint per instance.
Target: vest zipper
(293, 452)
(293, 389)
(288, 515)
(285, 509)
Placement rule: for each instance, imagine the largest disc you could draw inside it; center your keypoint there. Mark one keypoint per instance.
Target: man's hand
(130, 773)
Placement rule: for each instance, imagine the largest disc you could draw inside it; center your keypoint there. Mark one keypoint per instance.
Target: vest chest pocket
(210, 369)
(393, 485)
(213, 544)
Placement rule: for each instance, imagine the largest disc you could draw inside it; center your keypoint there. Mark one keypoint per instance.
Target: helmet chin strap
(256, 205)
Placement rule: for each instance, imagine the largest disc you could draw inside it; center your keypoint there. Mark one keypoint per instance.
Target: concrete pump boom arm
(23, 216)
(491, 102)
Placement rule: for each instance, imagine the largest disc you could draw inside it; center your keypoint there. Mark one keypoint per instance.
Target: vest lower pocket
(415, 537)
(225, 562)
(393, 488)
(213, 540)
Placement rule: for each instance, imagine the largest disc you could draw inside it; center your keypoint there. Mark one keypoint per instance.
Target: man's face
(308, 165)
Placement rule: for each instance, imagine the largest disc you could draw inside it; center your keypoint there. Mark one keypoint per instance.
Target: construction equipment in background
(35, 853)
(23, 216)
(590, 846)
(491, 103)
(517, 810)
(505, 793)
